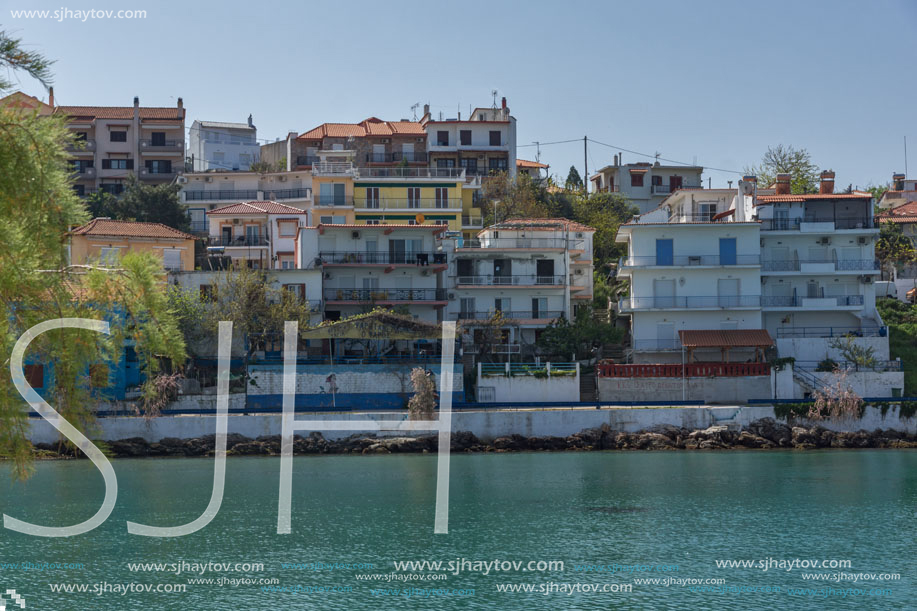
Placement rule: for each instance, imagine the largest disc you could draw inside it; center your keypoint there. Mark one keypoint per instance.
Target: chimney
(51, 97)
(136, 108)
(898, 182)
(826, 183)
(750, 178)
(181, 103)
(426, 109)
(503, 104)
(250, 124)
(783, 184)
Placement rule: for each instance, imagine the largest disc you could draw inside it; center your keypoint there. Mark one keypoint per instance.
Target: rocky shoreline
(762, 434)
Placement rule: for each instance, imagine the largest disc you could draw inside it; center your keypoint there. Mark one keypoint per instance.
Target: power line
(654, 156)
(519, 146)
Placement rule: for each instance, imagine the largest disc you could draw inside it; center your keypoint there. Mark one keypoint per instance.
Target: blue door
(727, 251)
(664, 254)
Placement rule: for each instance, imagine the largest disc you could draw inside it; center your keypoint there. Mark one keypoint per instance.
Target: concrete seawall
(485, 424)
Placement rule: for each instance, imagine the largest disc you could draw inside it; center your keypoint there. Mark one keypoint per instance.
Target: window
(117, 136)
(171, 258)
(158, 139)
(159, 166)
(412, 222)
(287, 228)
(413, 197)
(206, 291)
(465, 136)
(656, 181)
(299, 290)
(636, 179)
(442, 197)
(502, 304)
(441, 222)
(35, 375)
(115, 188)
(253, 234)
(109, 256)
(82, 136)
(117, 164)
(707, 212)
(332, 220)
(80, 190)
(372, 222)
(445, 163)
(494, 138)
(498, 165)
(286, 262)
(81, 165)
(442, 138)
(466, 307)
(539, 307)
(470, 165)
(372, 197)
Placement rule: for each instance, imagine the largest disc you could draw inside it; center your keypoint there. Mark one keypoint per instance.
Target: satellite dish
(420, 219)
(748, 187)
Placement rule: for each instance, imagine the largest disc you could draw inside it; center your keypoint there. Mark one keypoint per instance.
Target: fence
(527, 369)
(691, 370)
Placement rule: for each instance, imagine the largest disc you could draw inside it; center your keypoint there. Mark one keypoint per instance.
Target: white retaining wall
(725, 389)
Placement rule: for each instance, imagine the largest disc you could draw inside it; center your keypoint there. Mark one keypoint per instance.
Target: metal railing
(148, 171)
(683, 302)
(81, 146)
(83, 172)
(408, 204)
(513, 280)
(507, 243)
(839, 222)
(396, 157)
(306, 159)
(239, 240)
(689, 260)
(664, 189)
(691, 370)
(279, 194)
(811, 366)
(330, 168)
(656, 345)
(511, 315)
(333, 200)
(857, 264)
(163, 145)
(494, 349)
(794, 265)
(381, 258)
(472, 222)
(528, 369)
(381, 294)
(806, 332)
(199, 227)
(796, 301)
(219, 194)
(455, 173)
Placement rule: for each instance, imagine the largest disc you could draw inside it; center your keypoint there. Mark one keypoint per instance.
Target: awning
(375, 325)
(638, 170)
(728, 338)
(723, 215)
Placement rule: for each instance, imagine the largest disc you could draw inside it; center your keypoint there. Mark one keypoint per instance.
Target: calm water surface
(678, 508)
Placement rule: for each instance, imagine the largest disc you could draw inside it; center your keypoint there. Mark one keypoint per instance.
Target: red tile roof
(119, 112)
(735, 338)
(525, 163)
(256, 208)
(905, 213)
(772, 199)
(368, 127)
(435, 228)
(542, 224)
(130, 229)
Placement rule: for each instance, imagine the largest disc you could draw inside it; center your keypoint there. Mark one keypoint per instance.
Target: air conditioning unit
(824, 241)
(579, 235)
(425, 272)
(327, 276)
(578, 272)
(208, 179)
(181, 180)
(355, 235)
(419, 139)
(866, 279)
(862, 240)
(385, 141)
(451, 296)
(235, 221)
(282, 178)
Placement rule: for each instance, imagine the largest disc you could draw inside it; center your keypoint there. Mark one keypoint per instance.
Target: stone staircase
(587, 385)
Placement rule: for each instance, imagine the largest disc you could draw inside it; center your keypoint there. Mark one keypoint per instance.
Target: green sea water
(675, 510)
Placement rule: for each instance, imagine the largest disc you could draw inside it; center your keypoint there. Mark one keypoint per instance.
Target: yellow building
(402, 195)
(104, 240)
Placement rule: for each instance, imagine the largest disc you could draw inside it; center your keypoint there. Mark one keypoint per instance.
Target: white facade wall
(214, 147)
(205, 191)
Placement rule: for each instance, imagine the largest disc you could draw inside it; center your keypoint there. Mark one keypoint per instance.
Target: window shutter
(130, 164)
(106, 164)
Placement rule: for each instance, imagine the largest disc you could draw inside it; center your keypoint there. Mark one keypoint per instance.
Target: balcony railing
(159, 172)
(83, 172)
(381, 294)
(81, 146)
(409, 204)
(199, 227)
(306, 159)
(239, 240)
(454, 173)
(666, 189)
(493, 349)
(472, 222)
(795, 265)
(690, 260)
(813, 366)
(524, 280)
(656, 345)
(691, 370)
(381, 258)
(219, 194)
(396, 157)
(807, 332)
(333, 200)
(329, 168)
(509, 243)
(511, 315)
(691, 302)
(281, 194)
(796, 301)
(839, 222)
(162, 145)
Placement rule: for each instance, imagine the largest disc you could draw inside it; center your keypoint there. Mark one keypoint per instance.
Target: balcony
(409, 204)
(333, 168)
(242, 241)
(162, 146)
(723, 302)
(814, 303)
(400, 173)
(666, 189)
(159, 173)
(506, 281)
(306, 160)
(691, 261)
(817, 224)
(384, 295)
(81, 146)
(656, 345)
(282, 194)
(472, 222)
(808, 332)
(522, 243)
(199, 227)
(511, 315)
(333, 200)
(813, 266)
(219, 194)
(381, 258)
(83, 172)
(396, 157)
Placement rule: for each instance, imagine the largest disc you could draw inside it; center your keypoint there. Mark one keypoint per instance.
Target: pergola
(726, 339)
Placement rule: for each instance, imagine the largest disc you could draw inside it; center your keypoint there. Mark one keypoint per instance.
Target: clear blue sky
(711, 81)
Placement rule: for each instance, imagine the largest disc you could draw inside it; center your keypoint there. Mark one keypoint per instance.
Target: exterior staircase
(807, 380)
(587, 385)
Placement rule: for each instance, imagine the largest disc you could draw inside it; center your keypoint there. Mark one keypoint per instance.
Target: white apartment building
(482, 144)
(218, 145)
(533, 271)
(393, 266)
(205, 191)
(259, 234)
(646, 184)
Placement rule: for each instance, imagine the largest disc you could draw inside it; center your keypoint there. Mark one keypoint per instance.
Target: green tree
(604, 212)
(13, 58)
(786, 159)
(582, 337)
(574, 182)
(894, 248)
(878, 190)
(151, 204)
(37, 208)
(265, 166)
(504, 198)
(101, 204)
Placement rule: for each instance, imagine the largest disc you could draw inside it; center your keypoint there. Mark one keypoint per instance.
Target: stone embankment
(766, 433)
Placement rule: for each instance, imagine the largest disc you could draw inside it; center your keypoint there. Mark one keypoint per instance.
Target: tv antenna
(414, 109)
(493, 92)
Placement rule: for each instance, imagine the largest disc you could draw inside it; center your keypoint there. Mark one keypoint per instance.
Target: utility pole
(905, 156)
(586, 164)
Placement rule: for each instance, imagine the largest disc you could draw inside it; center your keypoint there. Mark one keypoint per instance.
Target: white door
(727, 291)
(665, 335)
(663, 294)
